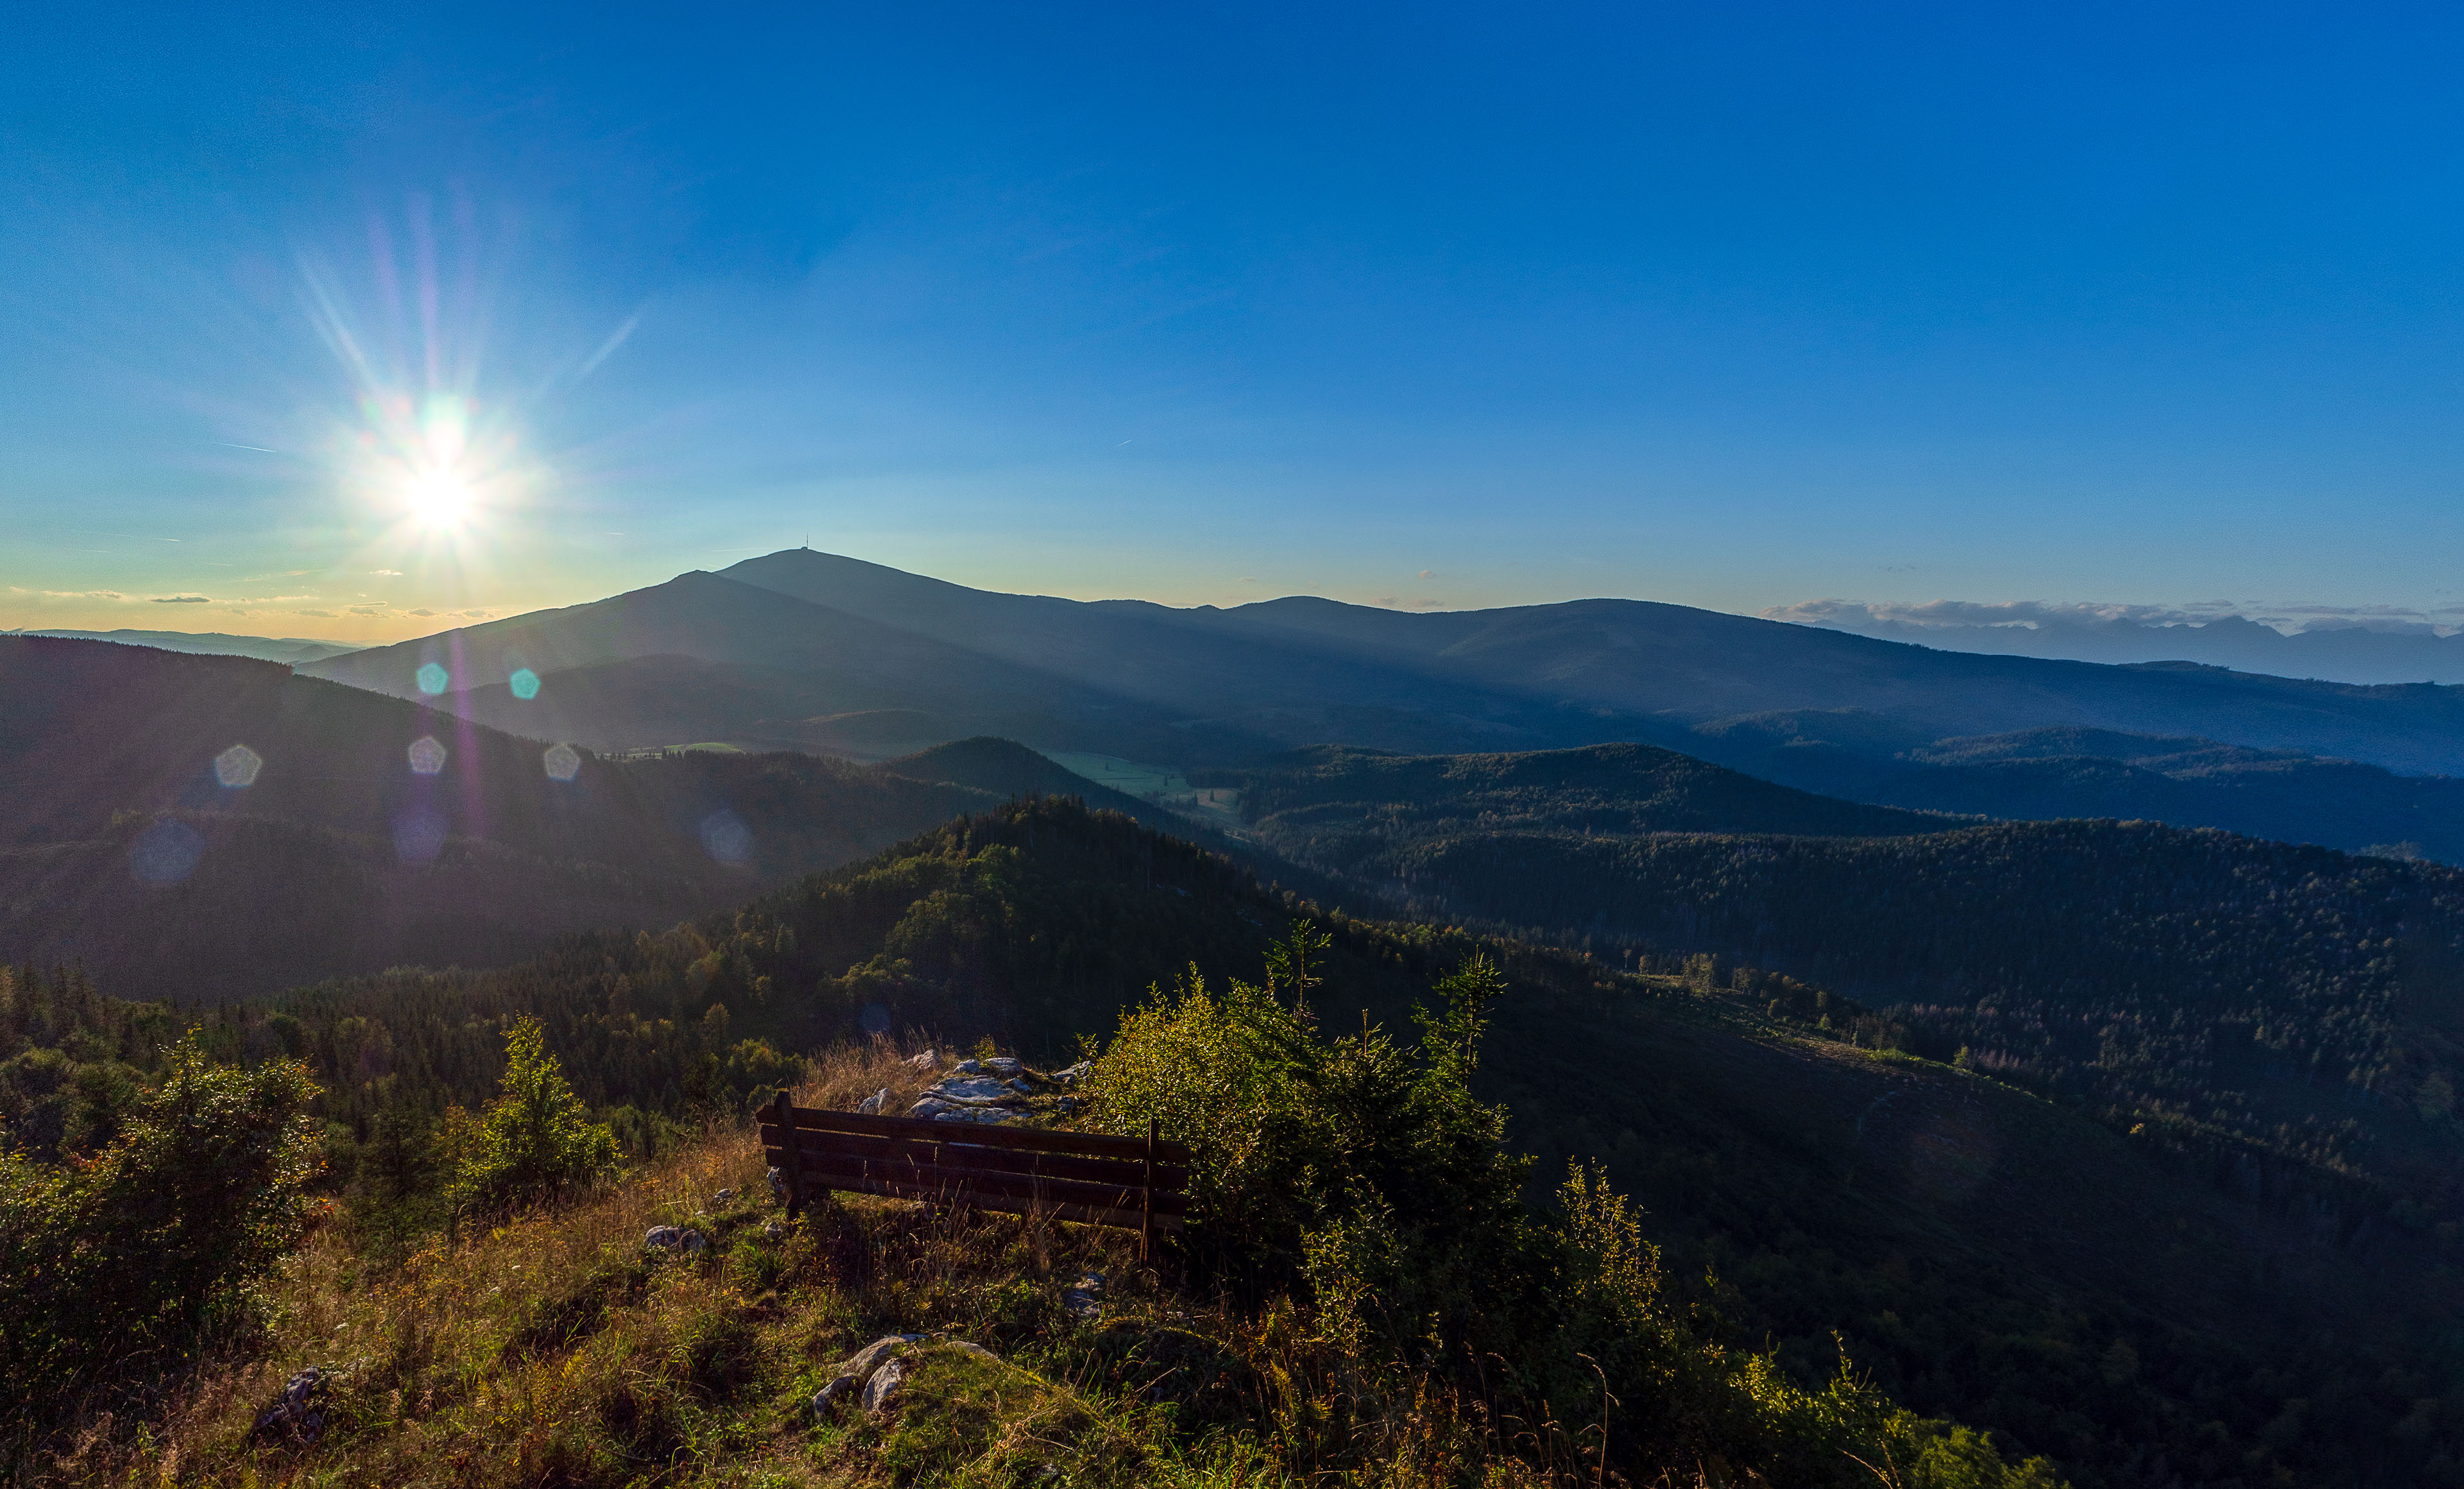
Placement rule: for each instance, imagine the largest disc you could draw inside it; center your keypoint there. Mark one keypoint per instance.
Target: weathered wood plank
(1009, 1204)
(951, 1142)
(1101, 1145)
(833, 1170)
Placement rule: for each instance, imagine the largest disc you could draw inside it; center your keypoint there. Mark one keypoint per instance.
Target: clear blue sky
(1729, 304)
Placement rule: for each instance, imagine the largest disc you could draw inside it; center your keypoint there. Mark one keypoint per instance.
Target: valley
(2074, 1115)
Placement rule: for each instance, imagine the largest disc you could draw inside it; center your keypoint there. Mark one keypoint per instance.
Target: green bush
(1365, 1176)
(1296, 1133)
(170, 1229)
(536, 1142)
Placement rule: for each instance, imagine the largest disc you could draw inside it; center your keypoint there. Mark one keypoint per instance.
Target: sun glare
(440, 499)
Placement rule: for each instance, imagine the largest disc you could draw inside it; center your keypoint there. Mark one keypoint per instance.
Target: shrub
(1295, 1133)
(169, 1229)
(1365, 1176)
(536, 1142)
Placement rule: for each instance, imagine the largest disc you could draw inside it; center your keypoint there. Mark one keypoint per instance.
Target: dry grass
(556, 1351)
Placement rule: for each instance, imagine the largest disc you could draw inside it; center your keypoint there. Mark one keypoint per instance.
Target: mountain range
(2338, 649)
(2133, 1140)
(288, 649)
(836, 653)
(201, 828)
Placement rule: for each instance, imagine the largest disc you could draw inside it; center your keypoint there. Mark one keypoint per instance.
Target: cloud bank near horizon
(2044, 615)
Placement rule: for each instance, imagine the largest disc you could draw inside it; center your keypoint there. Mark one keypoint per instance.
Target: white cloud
(386, 573)
(322, 615)
(419, 612)
(181, 599)
(374, 609)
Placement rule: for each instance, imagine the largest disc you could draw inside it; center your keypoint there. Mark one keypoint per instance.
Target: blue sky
(1730, 305)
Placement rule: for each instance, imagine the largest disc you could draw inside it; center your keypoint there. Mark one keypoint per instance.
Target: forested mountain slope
(329, 851)
(2292, 1015)
(2099, 1294)
(2074, 772)
(1336, 805)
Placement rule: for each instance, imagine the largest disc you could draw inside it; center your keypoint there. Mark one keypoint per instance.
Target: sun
(440, 499)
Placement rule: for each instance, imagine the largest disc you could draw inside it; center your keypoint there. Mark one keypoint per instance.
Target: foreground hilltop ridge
(2081, 1281)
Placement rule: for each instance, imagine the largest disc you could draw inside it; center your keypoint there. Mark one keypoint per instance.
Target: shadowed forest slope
(2102, 1295)
(321, 847)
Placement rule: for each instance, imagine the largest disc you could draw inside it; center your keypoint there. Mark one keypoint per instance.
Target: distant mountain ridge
(2338, 650)
(839, 636)
(290, 650)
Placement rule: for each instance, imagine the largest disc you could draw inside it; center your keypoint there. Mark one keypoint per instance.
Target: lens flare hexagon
(524, 683)
(166, 852)
(432, 678)
(427, 756)
(419, 835)
(563, 762)
(725, 838)
(237, 766)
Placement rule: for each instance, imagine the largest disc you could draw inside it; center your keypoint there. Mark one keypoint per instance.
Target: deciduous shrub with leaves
(165, 1232)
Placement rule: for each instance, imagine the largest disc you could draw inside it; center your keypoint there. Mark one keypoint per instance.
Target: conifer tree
(536, 1140)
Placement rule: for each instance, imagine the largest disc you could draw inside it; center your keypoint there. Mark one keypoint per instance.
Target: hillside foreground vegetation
(1982, 1254)
(1371, 1299)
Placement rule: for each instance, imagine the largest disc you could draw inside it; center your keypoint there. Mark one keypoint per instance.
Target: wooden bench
(1131, 1183)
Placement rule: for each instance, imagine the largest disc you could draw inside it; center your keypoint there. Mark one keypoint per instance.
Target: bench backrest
(1135, 1183)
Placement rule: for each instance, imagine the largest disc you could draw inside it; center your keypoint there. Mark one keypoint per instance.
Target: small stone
(963, 1347)
(872, 1105)
(693, 1240)
(1020, 1087)
(725, 1196)
(990, 1115)
(880, 1391)
(1004, 1065)
(663, 1238)
(1085, 1301)
(873, 1356)
(827, 1399)
(929, 1106)
(778, 1184)
(971, 1089)
(928, 1061)
(1075, 1073)
(295, 1414)
(971, 1067)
